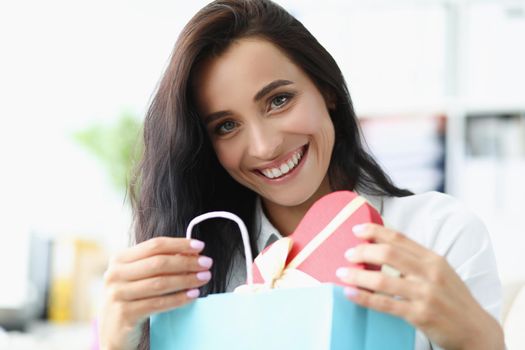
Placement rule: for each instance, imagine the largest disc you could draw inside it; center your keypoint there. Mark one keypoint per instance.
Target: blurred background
(437, 84)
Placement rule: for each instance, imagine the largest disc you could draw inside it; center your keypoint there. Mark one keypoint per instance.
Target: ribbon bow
(275, 273)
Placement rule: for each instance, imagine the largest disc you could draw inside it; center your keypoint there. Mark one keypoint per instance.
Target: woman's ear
(330, 99)
(331, 105)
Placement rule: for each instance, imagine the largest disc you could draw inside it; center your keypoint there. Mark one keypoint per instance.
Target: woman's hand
(429, 294)
(153, 276)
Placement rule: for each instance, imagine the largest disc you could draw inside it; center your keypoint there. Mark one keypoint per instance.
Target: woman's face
(267, 121)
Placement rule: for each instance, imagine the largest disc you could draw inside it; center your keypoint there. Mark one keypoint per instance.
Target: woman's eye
(279, 101)
(225, 127)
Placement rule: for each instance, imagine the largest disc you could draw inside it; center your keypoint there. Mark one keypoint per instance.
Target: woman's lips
(289, 174)
(283, 159)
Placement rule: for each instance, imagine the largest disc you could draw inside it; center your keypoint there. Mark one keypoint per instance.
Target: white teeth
(268, 173)
(284, 168)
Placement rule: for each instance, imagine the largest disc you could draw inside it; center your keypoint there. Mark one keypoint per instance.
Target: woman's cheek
(230, 157)
(301, 122)
(227, 159)
(311, 116)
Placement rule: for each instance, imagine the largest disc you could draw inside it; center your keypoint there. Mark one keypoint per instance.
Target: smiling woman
(253, 116)
(274, 113)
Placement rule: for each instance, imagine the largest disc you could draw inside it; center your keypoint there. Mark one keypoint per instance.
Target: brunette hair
(180, 177)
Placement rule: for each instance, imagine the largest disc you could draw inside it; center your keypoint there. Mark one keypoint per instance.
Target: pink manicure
(358, 230)
(341, 272)
(196, 244)
(205, 261)
(349, 253)
(204, 276)
(192, 293)
(350, 292)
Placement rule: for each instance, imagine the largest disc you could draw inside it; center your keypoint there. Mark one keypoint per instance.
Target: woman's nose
(264, 141)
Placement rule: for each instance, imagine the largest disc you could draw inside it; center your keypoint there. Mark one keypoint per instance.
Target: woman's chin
(285, 200)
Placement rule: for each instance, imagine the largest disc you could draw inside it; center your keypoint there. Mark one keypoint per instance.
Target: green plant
(118, 146)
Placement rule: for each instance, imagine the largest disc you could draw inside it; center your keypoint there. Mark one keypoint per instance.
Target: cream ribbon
(272, 264)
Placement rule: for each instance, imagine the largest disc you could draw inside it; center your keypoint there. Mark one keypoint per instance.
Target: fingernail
(358, 230)
(193, 293)
(349, 253)
(204, 276)
(196, 244)
(341, 272)
(205, 261)
(350, 292)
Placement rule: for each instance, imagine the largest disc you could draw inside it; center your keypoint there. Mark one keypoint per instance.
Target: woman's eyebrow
(258, 96)
(214, 116)
(268, 88)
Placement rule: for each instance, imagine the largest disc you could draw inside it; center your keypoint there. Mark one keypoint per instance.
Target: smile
(286, 166)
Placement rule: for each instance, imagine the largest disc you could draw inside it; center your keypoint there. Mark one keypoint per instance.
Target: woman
(253, 116)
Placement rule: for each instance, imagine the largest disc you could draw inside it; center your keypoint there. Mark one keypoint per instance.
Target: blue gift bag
(317, 317)
(312, 318)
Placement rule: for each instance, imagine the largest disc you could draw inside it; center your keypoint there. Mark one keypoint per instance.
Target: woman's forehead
(241, 71)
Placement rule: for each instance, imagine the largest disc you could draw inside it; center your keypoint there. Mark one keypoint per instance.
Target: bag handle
(244, 235)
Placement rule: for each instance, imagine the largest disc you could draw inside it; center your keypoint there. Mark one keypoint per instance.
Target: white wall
(63, 66)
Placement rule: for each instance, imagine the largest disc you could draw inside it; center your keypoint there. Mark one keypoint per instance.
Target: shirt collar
(267, 232)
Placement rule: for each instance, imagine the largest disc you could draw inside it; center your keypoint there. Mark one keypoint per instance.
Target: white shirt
(438, 222)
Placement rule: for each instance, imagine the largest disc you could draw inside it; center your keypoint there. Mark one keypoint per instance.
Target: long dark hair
(179, 175)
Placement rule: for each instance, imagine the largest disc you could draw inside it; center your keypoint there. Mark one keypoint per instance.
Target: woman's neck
(286, 218)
